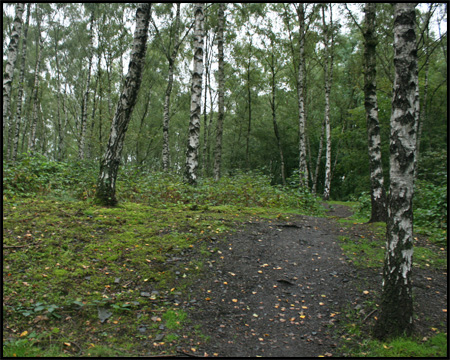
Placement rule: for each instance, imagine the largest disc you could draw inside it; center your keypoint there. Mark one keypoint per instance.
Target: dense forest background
(76, 57)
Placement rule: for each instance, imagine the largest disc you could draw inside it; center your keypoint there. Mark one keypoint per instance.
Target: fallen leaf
(234, 300)
(25, 333)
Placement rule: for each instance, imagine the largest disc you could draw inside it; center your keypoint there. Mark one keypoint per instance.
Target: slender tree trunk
(221, 85)
(377, 193)
(303, 168)
(396, 308)
(8, 75)
(249, 96)
(34, 119)
(166, 119)
(319, 158)
(328, 75)
(106, 184)
(84, 108)
(196, 98)
(205, 115)
(20, 91)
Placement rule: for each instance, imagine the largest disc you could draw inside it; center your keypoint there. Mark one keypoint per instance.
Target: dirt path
(274, 290)
(277, 289)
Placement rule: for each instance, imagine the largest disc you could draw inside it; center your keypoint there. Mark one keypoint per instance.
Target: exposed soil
(279, 288)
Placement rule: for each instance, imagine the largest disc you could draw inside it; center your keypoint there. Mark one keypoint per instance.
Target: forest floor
(137, 280)
(281, 288)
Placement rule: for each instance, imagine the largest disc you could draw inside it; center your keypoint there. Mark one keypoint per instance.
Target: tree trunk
(8, 75)
(396, 308)
(84, 107)
(319, 158)
(221, 85)
(377, 193)
(328, 75)
(249, 95)
(106, 184)
(303, 168)
(34, 118)
(196, 98)
(166, 119)
(20, 91)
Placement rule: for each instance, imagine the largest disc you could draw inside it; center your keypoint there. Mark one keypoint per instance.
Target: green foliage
(250, 189)
(430, 204)
(36, 175)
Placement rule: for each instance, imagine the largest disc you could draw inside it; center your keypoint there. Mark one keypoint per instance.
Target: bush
(35, 174)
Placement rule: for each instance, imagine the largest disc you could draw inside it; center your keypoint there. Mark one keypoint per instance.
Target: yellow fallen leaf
(234, 300)
(25, 333)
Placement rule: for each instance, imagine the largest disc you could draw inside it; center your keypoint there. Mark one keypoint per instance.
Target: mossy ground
(64, 261)
(85, 280)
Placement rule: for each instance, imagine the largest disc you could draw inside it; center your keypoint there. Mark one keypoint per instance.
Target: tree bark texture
(8, 75)
(396, 308)
(106, 184)
(328, 75)
(303, 168)
(196, 98)
(34, 117)
(377, 193)
(221, 90)
(15, 143)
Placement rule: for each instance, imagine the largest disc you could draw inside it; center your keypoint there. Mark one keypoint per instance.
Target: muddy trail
(278, 289)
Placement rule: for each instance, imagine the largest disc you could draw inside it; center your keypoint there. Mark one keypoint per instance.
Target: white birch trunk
(328, 75)
(106, 184)
(15, 144)
(196, 94)
(303, 168)
(396, 315)
(8, 75)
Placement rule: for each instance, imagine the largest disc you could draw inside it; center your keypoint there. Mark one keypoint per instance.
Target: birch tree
(39, 48)
(377, 193)
(84, 105)
(303, 168)
(15, 142)
(328, 79)
(171, 52)
(13, 50)
(396, 308)
(106, 183)
(221, 91)
(196, 94)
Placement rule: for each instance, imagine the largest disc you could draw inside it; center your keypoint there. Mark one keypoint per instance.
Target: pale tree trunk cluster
(106, 184)
(396, 310)
(196, 96)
